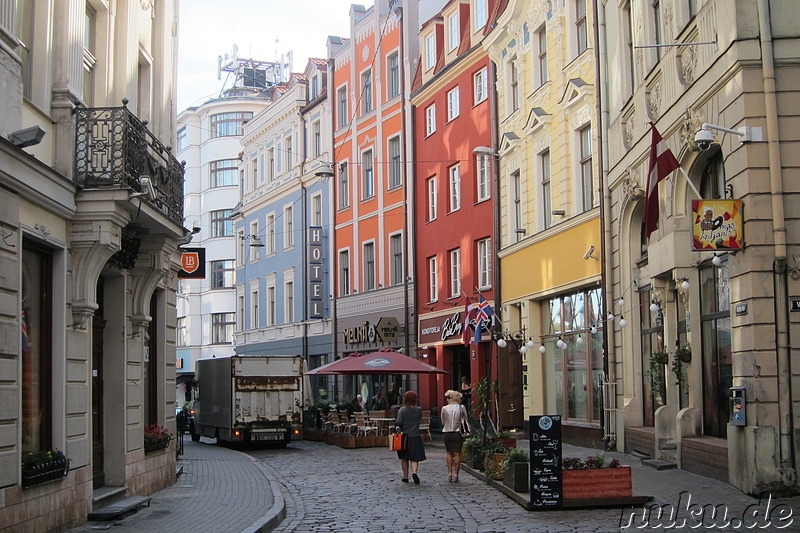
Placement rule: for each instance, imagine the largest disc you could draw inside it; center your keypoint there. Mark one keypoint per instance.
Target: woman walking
(408, 419)
(454, 416)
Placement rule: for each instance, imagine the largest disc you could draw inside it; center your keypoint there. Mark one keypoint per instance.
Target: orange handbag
(397, 442)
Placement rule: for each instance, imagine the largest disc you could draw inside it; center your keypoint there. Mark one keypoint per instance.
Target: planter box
(493, 469)
(45, 473)
(516, 477)
(594, 483)
(150, 447)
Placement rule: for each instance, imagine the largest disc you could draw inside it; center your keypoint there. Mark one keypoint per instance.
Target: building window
(289, 154)
(484, 263)
(430, 119)
(229, 124)
(288, 290)
(180, 332)
(344, 187)
(516, 188)
(513, 75)
(90, 57)
(395, 164)
(316, 210)
(272, 306)
(317, 129)
(368, 178)
(455, 188)
(586, 168)
(396, 252)
(455, 273)
(480, 91)
(484, 184)
(255, 321)
(36, 323)
(253, 249)
(344, 273)
(547, 200)
(627, 36)
(715, 323)
(577, 368)
(288, 227)
(651, 340)
(223, 172)
(480, 14)
(240, 313)
(430, 51)
(315, 86)
(452, 32)
(453, 104)
(222, 273)
(183, 138)
(254, 166)
(366, 92)
(580, 25)
(342, 99)
(432, 199)
(221, 223)
(25, 37)
(657, 26)
(222, 327)
(541, 39)
(271, 161)
(433, 280)
(394, 75)
(369, 266)
(271, 243)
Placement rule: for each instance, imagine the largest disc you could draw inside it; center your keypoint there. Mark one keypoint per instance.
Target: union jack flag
(485, 313)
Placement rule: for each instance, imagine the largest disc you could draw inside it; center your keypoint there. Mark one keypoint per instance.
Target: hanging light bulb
(685, 285)
(579, 340)
(611, 316)
(623, 322)
(561, 344)
(717, 260)
(654, 307)
(502, 343)
(621, 302)
(530, 344)
(542, 348)
(523, 349)
(593, 330)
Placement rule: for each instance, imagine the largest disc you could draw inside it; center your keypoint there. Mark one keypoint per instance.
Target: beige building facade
(722, 317)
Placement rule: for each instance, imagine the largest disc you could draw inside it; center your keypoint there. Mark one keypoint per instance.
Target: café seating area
(363, 430)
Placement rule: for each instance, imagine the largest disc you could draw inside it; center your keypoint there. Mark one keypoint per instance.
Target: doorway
(98, 448)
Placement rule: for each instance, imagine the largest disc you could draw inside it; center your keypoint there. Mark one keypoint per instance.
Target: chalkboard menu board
(545, 456)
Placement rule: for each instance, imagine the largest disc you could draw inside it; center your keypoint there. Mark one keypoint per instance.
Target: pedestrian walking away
(454, 422)
(408, 419)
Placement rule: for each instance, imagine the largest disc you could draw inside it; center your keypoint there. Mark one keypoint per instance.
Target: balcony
(114, 149)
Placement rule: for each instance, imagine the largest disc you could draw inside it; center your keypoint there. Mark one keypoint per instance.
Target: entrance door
(98, 466)
(717, 364)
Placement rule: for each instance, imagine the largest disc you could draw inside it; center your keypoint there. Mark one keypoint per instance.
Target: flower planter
(516, 476)
(594, 483)
(44, 473)
(493, 468)
(151, 447)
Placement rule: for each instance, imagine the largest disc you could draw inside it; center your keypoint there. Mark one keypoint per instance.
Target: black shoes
(404, 480)
(416, 478)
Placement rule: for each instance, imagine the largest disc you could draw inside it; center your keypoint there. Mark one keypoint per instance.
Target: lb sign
(193, 263)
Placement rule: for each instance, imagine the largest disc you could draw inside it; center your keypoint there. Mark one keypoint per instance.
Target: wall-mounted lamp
(187, 238)
(484, 151)
(324, 172)
(27, 137)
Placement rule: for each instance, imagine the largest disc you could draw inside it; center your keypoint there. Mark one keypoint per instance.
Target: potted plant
(677, 370)
(43, 466)
(684, 353)
(516, 468)
(591, 478)
(156, 438)
(655, 373)
(494, 454)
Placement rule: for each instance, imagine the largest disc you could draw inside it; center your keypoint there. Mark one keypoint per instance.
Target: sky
(208, 29)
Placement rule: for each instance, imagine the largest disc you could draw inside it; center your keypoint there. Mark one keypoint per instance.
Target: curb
(276, 514)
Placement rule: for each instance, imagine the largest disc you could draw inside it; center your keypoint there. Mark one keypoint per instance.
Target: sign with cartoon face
(717, 225)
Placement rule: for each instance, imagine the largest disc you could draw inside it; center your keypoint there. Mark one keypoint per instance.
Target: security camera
(589, 253)
(704, 139)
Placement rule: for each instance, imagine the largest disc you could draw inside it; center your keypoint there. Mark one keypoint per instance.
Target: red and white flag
(662, 163)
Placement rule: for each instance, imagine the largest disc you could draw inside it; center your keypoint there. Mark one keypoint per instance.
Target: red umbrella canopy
(384, 361)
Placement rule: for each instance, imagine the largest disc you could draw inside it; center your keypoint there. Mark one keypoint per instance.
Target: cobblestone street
(331, 489)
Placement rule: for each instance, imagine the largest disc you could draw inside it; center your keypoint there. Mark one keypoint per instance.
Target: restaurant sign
(432, 330)
(717, 225)
(387, 330)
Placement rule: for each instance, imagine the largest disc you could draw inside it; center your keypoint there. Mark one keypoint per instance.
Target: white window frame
(484, 248)
(454, 187)
(272, 304)
(254, 318)
(433, 279)
(393, 75)
(481, 14)
(430, 119)
(317, 133)
(516, 204)
(483, 177)
(253, 255)
(288, 227)
(343, 259)
(585, 155)
(395, 178)
(433, 211)
(453, 103)
(452, 32)
(344, 185)
(271, 239)
(397, 258)
(480, 86)
(547, 192)
(370, 267)
(288, 301)
(316, 209)
(455, 273)
(367, 175)
(342, 106)
(430, 51)
(581, 28)
(541, 72)
(366, 92)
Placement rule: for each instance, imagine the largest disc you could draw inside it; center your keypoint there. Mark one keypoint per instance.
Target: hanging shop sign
(315, 288)
(193, 263)
(433, 330)
(387, 330)
(717, 225)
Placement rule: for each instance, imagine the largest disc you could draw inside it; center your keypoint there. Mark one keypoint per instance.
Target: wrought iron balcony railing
(114, 149)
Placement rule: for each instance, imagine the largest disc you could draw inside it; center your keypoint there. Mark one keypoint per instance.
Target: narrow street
(332, 489)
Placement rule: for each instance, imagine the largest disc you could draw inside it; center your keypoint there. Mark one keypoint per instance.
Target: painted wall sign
(315, 301)
(717, 225)
(193, 263)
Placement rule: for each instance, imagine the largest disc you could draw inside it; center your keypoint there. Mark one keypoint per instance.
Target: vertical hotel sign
(717, 225)
(315, 288)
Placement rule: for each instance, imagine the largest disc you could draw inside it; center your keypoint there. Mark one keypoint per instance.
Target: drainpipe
(496, 287)
(606, 267)
(786, 469)
(304, 239)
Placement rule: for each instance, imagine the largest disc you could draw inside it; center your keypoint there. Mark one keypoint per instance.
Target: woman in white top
(452, 416)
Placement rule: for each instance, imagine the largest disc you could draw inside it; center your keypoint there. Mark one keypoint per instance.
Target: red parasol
(384, 361)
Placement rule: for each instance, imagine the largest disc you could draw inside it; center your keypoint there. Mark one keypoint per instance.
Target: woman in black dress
(408, 419)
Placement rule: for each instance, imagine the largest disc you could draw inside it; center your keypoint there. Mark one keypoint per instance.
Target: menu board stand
(545, 460)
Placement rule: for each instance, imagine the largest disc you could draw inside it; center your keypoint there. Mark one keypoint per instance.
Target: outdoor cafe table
(384, 423)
